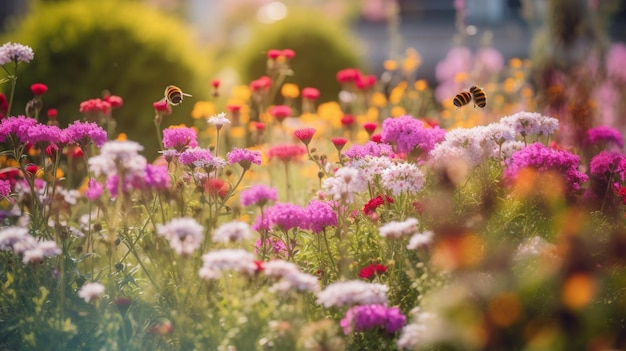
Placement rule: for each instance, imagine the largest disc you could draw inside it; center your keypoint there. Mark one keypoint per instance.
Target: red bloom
(288, 54)
(280, 112)
(339, 143)
(216, 186)
(52, 113)
(4, 105)
(273, 54)
(377, 138)
(371, 270)
(370, 127)
(365, 82)
(305, 135)
(51, 150)
(259, 266)
(215, 83)
(262, 83)
(162, 106)
(32, 169)
(233, 108)
(114, 100)
(348, 75)
(286, 152)
(259, 126)
(38, 89)
(95, 105)
(74, 152)
(310, 93)
(347, 120)
(622, 194)
(373, 204)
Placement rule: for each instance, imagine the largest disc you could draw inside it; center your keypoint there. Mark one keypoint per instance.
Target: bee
(174, 95)
(480, 99)
(461, 99)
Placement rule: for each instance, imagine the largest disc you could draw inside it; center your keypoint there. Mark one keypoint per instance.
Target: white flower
(122, 154)
(217, 261)
(40, 251)
(531, 123)
(345, 184)
(403, 178)
(396, 230)
(420, 240)
(184, 234)
(91, 291)
(219, 120)
(353, 292)
(290, 278)
(232, 231)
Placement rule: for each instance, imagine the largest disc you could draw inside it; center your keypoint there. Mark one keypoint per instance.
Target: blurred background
(134, 48)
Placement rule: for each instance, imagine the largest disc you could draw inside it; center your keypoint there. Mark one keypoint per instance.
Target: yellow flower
(396, 94)
(515, 63)
(290, 90)
(378, 99)
(241, 93)
(397, 111)
(412, 61)
(237, 132)
(203, 109)
(122, 137)
(331, 113)
(421, 85)
(390, 65)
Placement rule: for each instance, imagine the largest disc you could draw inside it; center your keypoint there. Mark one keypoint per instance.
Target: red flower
(262, 83)
(347, 120)
(95, 105)
(365, 82)
(4, 105)
(259, 126)
(162, 106)
(622, 194)
(74, 152)
(52, 113)
(348, 75)
(215, 83)
(370, 127)
(259, 266)
(377, 138)
(373, 204)
(305, 135)
(371, 270)
(339, 143)
(32, 169)
(216, 186)
(114, 100)
(273, 54)
(233, 108)
(288, 54)
(38, 89)
(280, 112)
(51, 150)
(310, 93)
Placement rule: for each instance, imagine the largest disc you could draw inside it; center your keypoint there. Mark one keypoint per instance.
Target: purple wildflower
(604, 134)
(607, 166)
(156, 177)
(369, 149)
(258, 195)
(94, 190)
(278, 246)
(320, 215)
(199, 157)
(17, 127)
(82, 133)
(232, 232)
(14, 52)
(5, 188)
(244, 157)
(408, 133)
(361, 318)
(41, 133)
(282, 215)
(545, 159)
(179, 138)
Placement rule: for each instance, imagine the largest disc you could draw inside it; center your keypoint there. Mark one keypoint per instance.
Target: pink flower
(38, 89)
(305, 135)
(95, 105)
(114, 100)
(286, 152)
(348, 75)
(179, 138)
(258, 195)
(280, 112)
(310, 93)
(339, 143)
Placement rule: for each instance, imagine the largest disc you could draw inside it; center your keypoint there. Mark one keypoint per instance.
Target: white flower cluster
(531, 123)
(370, 166)
(290, 278)
(397, 230)
(118, 154)
(402, 178)
(420, 240)
(353, 292)
(231, 232)
(91, 291)
(344, 185)
(21, 242)
(184, 235)
(417, 333)
(227, 259)
(532, 247)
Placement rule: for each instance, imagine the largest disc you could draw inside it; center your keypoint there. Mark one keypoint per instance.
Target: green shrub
(83, 48)
(322, 48)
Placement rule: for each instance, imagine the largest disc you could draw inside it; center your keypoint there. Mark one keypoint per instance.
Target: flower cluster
(289, 277)
(408, 134)
(353, 292)
(18, 240)
(215, 262)
(184, 235)
(362, 318)
(14, 52)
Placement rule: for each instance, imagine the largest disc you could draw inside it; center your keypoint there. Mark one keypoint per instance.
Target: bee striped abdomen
(174, 95)
(461, 99)
(480, 99)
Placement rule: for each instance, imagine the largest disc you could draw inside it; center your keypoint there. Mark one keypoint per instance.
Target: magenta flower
(320, 215)
(604, 134)
(305, 135)
(179, 138)
(5, 188)
(83, 133)
(16, 127)
(362, 318)
(408, 133)
(277, 245)
(41, 133)
(156, 178)
(607, 166)
(286, 152)
(285, 216)
(543, 159)
(200, 157)
(244, 157)
(95, 105)
(94, 190)
(258, 195)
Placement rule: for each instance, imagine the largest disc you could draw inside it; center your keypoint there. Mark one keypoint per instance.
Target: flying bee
(480, 99)
(461, 99)
(174, 95)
